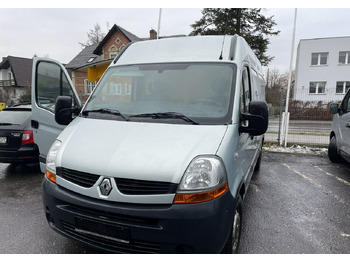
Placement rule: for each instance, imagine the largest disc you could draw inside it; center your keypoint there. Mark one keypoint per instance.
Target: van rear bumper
(145, 228)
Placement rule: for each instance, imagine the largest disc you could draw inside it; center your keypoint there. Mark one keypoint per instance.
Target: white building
(322, 69)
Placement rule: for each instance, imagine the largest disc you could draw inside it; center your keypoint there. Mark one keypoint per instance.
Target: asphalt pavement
(296, 204)
(23, 226)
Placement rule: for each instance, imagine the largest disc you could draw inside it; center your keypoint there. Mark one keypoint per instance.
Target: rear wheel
(232, 244)
(333, 151)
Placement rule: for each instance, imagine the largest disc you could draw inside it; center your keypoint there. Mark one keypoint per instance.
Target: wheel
(333, 151)
(232, 244)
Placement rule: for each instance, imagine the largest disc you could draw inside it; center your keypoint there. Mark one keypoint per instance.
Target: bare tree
(275, 82)
(94, 35)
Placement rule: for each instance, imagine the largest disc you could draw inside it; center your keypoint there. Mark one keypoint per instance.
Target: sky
(55, 31)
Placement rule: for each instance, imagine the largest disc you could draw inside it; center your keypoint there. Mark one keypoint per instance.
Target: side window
(245, 91)
(51, 82)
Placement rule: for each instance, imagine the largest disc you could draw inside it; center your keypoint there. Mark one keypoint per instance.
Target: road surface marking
(339, 199)
(331, 175)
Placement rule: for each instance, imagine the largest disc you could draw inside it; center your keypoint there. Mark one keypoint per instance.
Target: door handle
(35, 124)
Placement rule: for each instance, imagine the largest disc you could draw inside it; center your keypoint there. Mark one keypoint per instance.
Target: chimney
(152, 34)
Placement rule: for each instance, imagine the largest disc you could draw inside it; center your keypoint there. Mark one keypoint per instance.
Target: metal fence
(4, 83)
(309, 122)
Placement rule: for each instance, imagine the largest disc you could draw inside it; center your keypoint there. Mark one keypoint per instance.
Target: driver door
(246, 141)
(49, 80)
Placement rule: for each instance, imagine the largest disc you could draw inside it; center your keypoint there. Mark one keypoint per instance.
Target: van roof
(221, 48)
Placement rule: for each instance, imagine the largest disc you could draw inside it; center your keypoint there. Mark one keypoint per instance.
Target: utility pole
(286, 116)
(280, 117)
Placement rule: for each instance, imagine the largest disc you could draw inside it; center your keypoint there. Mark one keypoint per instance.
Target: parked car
(16, 136)
(339, 144)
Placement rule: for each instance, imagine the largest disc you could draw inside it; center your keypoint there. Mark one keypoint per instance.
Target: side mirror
(257, 120)
(333, 108)
(63, 110)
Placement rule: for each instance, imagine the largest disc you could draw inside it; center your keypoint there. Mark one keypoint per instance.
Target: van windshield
(193, 93)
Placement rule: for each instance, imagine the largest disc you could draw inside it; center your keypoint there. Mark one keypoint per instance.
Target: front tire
(333, 151)
(232, 244)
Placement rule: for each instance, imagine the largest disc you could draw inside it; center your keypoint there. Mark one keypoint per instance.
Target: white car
(339, 144)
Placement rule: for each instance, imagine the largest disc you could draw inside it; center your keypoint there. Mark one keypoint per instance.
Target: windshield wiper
(105, 111)
(168, 115)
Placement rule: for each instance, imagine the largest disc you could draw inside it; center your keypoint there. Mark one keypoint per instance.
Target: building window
(344, 57)
(92, 58)
(317, 88)
(127, 89)
(121, 47)
(113, 51)
(319, 58)
(89, 86)
(118, 41)
(342, 87)
(115, 89)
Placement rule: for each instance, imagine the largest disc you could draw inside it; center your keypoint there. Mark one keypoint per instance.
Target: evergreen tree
(249, 23)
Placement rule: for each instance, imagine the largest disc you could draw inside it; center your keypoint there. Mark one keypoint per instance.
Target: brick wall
(78, 79)
(113, 42)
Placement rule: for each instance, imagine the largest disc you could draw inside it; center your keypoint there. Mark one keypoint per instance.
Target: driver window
(51, 82)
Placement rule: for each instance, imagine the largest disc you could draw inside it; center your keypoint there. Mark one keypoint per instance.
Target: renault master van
(159, 158)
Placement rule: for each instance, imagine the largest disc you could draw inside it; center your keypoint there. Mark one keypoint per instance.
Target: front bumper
(131, 228)
(25, 154)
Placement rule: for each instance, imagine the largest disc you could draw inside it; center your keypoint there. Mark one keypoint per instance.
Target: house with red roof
(88, 66)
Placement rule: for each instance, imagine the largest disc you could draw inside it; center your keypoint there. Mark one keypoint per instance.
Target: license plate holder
(102, 229)
(3, 140)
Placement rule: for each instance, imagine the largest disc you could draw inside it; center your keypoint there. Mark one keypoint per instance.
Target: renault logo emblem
(105, 187)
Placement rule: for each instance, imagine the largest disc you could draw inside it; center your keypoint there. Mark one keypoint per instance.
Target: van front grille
(144, 187)
(125, 186)
(80, 178)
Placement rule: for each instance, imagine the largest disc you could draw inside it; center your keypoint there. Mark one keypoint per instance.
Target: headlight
(204, 180)
(51, 161)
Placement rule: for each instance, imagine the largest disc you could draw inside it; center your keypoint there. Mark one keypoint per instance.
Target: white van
(160, 157)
